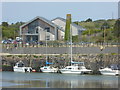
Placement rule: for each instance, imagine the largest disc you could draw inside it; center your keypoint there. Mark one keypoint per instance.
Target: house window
(36, 30)
(47, 29)
(48, 37)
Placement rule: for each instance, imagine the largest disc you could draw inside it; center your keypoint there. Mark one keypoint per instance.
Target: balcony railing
(29, 33)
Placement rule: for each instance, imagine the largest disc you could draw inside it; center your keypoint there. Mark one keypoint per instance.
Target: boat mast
(71, 43)
(46, 44)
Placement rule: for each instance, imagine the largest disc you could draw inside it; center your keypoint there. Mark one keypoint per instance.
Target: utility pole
(104, 33)
(47, 29)
(89, 35)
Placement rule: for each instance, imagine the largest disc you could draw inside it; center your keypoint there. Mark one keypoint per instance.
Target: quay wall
(93, 57)
(36, 61)
(59, 50)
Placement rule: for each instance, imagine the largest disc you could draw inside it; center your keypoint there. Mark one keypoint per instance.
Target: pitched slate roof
(41, 18)
(75, 25)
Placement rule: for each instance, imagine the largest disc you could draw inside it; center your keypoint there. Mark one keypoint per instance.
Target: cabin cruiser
(75, 68)
(20, 67)
(70, 69)
(84, 70)
(109, 71)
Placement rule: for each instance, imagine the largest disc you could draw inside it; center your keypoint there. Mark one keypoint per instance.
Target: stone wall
(59, 50)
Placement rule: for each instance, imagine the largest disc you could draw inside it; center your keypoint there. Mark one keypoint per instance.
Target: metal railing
(60, 45)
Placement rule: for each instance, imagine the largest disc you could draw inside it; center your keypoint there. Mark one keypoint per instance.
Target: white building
(35, 29)
(61, 22)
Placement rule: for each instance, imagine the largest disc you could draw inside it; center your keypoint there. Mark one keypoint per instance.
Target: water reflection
(43, 80)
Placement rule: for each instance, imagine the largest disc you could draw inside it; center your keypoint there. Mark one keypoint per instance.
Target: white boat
(109, 71)
(74, 68)
(70, 70)
(84, 70)
(19, 67)
(48, 69)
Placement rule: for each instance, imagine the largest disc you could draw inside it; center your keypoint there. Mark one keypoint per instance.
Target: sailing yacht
(48, 69)
(75, 67)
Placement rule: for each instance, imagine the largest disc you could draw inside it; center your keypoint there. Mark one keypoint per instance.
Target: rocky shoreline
(93, 62)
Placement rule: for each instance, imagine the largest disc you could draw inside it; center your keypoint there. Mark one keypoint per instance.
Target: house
(61, 22)
(40, 29)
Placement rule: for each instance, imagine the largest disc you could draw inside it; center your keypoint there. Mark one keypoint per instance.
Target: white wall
(62, 24)
(42, 35)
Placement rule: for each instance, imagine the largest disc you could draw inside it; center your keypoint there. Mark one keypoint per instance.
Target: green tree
(67, 28)
(8, 32)
(117, 28)
(75, 38)
(88, 20)
(5, 24)
(105, 26)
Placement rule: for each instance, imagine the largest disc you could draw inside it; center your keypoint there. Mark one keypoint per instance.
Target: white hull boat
(109, 71)
(70, 70)
(75, 70)
(48, 69)
(22, 69)
(84, 70)
(19, 67)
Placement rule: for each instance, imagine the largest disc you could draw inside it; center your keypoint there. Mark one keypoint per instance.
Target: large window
(32, 27)
(48, 37)
(36, 30)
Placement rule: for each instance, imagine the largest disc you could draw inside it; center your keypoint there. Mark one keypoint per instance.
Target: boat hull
(48, 69)
(70, 71)
(22, 69)
(108, 73)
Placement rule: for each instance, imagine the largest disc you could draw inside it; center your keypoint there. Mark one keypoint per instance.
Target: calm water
(54, 80)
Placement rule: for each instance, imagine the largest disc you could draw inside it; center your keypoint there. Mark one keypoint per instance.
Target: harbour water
(56, 80)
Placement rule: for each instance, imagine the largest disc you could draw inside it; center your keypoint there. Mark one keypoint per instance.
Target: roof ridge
(71, 23)
(39, 17)
(42, 18)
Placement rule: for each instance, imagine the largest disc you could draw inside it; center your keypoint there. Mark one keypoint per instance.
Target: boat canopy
(114, 66)
(77, 62)
(20, 64)
(48, 62)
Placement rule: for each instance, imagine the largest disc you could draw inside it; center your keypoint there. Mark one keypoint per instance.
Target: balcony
(29, 33)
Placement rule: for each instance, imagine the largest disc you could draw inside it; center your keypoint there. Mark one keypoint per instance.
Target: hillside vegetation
(96, 31)
(99, 30)
(10, 30)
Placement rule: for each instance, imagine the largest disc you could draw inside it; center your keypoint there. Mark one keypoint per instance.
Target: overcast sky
(24, 11)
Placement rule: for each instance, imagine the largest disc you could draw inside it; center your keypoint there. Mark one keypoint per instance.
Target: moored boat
(70, 70)
(48, 69)
(108, 71)
(75, 68)
(84, 70)
(20, 67)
